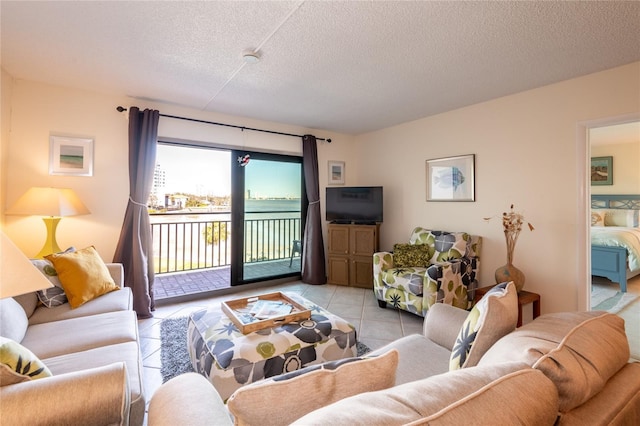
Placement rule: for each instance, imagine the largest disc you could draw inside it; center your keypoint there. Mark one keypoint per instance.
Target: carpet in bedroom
(174, 355)
(611, 299)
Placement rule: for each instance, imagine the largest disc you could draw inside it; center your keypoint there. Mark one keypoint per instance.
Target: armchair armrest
(167, 406)
(96, 396)
(383, 259)
(117, 273)
(443, 323)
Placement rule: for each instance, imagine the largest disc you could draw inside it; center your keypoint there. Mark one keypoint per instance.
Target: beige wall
(40, 110)
(6, 87)
(626, 168)
(527, 154)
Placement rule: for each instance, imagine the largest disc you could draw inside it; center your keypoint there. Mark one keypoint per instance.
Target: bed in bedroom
(615, 237)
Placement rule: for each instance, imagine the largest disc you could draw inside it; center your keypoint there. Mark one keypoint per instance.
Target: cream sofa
(566, 369)
(93, 352)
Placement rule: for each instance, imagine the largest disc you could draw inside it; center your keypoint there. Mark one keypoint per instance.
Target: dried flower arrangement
(512, 224)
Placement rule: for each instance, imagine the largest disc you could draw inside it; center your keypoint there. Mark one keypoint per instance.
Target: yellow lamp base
(51, 245)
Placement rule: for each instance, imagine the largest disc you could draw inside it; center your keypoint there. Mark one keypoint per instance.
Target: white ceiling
(344, 66)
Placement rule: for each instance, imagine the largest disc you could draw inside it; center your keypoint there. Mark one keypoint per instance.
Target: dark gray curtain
(313, 267)
(134, 248)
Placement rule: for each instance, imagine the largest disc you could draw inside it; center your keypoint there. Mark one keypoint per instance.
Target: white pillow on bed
(620, 217)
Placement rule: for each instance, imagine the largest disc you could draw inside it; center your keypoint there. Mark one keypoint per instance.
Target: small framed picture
(451, 179)
(70, 156)
(601, 171)
(336, 172)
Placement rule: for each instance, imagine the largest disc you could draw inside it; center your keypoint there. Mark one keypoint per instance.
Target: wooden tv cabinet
(351, 249)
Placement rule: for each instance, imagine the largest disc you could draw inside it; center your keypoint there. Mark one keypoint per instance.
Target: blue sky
(270, 179)
(207, 171)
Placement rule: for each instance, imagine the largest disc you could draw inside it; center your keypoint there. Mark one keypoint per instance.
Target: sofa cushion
(282, 399)
(81, 334)
(578, 351)
(13, 319)
(410, 255)
(83, 275)
(53, 296)
(19, 364)
(413, 350)
(111, 302)
(506, 394)
(495, 315)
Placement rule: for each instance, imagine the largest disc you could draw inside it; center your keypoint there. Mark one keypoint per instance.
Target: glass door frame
(238, 210)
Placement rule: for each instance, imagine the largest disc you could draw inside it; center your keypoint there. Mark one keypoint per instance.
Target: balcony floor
(180, 284)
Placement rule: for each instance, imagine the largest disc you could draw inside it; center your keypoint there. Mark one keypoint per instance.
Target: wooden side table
(524, 298)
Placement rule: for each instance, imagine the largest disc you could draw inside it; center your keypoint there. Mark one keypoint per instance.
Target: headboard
(626, 202)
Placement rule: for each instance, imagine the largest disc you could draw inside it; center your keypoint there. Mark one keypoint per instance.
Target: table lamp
(52, 204)
(17, 275)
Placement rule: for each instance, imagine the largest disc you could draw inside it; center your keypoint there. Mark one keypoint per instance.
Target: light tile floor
(375, 326)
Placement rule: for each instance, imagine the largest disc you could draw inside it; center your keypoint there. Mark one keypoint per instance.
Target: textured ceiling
(350, 67)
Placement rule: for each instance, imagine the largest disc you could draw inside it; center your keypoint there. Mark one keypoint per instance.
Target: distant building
(157, 195)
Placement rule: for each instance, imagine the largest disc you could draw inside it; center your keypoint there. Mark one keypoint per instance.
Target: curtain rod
(122, 109)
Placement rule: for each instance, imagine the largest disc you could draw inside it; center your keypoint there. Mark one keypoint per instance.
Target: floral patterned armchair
(435, 267)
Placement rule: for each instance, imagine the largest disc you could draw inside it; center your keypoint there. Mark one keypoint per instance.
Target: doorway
(618, 139)
(268, 212)
(218, 222)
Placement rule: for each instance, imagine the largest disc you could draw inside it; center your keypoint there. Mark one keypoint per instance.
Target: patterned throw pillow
(410, 255)
(53, 296)
(19, 364)
(443, 246)
(285, 398)
(83, 275)
(597, 217)
(493, 317)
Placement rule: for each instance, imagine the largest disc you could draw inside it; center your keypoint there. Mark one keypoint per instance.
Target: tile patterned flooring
(375, 326)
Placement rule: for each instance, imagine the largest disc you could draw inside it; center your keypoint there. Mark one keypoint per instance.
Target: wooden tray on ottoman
(238, 312)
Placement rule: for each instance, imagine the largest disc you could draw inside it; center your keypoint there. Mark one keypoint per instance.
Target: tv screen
(354, 204)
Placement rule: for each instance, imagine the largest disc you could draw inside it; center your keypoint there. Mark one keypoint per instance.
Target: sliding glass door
(268, 211)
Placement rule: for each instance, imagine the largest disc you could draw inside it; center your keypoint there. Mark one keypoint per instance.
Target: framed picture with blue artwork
(601, 171)
(451, 178)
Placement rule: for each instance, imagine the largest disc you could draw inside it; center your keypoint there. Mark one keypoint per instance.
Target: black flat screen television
(354, 204)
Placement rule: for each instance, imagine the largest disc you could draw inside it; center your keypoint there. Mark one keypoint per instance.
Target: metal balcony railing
(190, 241)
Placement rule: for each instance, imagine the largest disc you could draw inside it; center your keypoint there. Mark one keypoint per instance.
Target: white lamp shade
(56, 202)
(17, 274)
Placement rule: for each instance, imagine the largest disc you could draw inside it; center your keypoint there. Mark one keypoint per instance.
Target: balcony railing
(190, 241)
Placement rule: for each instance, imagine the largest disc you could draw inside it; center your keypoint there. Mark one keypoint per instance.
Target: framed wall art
(601, 171)
(70, 156)
(451, 178)
(336, 172)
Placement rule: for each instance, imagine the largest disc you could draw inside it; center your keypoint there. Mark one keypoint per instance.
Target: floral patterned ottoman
(230, 359)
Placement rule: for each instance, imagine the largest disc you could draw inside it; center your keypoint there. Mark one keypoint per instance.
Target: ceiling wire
(271, 34)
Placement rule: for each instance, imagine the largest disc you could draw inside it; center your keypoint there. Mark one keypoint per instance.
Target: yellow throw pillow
(83, 275)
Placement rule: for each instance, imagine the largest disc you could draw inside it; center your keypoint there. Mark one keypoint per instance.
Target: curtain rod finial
(329, 140)
(120, 108)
